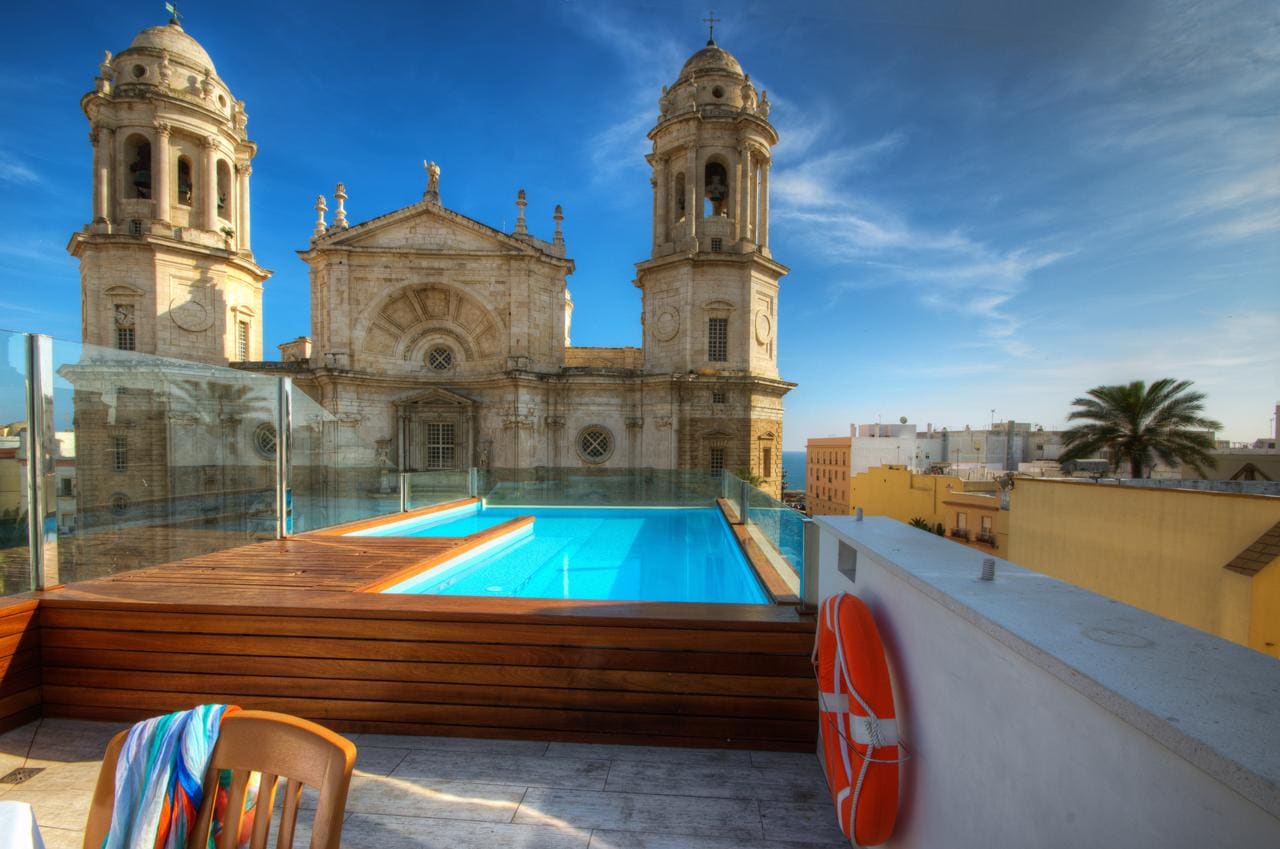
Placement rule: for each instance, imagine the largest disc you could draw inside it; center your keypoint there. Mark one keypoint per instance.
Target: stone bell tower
(711, 285)
(165, 261)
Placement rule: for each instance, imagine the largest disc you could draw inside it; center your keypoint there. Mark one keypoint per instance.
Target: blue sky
(985, 205)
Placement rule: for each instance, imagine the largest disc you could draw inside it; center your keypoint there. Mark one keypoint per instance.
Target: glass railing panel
(599, 487)
(781, 525)
(437, 486)
(157, 459)
(334, 475)
(15, 556)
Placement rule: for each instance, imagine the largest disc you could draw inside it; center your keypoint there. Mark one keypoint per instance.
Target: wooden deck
(284, 626)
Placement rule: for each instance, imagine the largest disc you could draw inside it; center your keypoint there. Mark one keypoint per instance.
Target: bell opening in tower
(716, 181)
(139, 158)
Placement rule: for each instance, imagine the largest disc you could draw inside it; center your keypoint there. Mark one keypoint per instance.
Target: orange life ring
(856, 720)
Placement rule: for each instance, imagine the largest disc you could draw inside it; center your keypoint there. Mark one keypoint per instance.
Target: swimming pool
(590, 553)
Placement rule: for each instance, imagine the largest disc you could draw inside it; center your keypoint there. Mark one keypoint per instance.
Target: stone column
(242, 209)
(741, 185)
(764, 204)
(664, 189)
(752, 194)
(691, 211)
(209, 197)
(103, 140)
(160, 172)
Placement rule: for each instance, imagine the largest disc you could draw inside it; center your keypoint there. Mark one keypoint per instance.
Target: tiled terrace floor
(456, 793)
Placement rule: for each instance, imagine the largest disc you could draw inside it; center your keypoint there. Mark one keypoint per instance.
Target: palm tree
(1138, 423)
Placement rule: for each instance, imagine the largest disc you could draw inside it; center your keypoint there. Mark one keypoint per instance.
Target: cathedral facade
(438, 342)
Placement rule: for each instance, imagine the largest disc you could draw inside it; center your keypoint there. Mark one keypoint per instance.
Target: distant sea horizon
(793, 466)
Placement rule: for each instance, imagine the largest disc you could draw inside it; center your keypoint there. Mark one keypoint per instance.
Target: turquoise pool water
(593, 553)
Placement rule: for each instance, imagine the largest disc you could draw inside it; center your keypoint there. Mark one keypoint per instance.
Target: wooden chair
(274, 744)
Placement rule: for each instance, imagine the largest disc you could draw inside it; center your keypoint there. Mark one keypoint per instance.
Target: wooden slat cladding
(441, 671)
(19, 662)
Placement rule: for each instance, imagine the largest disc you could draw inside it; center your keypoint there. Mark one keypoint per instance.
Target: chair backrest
(283, 749)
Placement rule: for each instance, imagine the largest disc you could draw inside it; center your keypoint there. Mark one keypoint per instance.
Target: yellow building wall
(897, 492)
(1264, 623)
(1161, 550)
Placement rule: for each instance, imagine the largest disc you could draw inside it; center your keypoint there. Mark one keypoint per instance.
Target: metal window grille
(441, 448)
(717, 398)
(120, 454)
(594, 443)
(716, 460)
(265, 439)
(135, 227)
(440, 359)
(125, 340)
(718, 340)
(717, 245)
(242, 340)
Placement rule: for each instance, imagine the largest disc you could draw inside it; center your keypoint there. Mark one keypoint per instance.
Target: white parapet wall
(1043, 715)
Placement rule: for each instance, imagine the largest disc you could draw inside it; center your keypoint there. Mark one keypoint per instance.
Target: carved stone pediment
(435, 397)
(121, 290)
(428, 228)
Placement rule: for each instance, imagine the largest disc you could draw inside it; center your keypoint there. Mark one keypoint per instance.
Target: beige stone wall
(387, 292)
(185, 304)
(583, 357)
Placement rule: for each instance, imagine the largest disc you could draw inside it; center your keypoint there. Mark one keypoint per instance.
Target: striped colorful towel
(160, 778)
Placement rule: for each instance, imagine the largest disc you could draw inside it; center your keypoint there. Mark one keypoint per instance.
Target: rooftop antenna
(174, 16)
(711, 20)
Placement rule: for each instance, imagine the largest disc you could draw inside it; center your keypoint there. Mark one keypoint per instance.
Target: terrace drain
(21, 774)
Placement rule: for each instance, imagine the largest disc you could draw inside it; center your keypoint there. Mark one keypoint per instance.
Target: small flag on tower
(172, 9)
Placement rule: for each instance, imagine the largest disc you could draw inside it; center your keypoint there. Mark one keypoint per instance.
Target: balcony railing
(986, 538)
(960, 533)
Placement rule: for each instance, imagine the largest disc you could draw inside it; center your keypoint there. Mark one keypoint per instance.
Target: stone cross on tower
(711, 20)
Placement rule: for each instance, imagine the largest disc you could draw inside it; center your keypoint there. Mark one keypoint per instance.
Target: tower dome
(711, 59)
(174, 39)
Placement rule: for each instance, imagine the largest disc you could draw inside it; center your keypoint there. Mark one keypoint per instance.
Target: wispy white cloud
(952, 271)
(14, 170)
(648, 60)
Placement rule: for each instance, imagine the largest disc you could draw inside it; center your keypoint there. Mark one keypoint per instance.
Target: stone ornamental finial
(321, 207)
(239, 117)
(765, 106)
(521, 203)
(748, 96)
(559, 217)
(340, 214)
(206, 85)
(664, 103)
(105, 74)
(432, 193)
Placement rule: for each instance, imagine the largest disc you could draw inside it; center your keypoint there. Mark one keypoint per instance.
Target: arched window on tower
(677, 208)
(224, 189)
(138, 155)
(716, 181)
(184, 180)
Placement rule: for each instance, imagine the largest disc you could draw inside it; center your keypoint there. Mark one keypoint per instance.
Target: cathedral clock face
(667, 324)
(764, 327)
